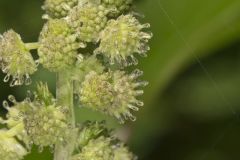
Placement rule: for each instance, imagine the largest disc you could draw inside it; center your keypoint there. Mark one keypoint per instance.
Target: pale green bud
(16, 59)
(96, 149)
(121, 152)
(43, 95)
(46, 125)
(58, 45)
(10, 148)
(96, 92)
(45, 122)
(117, 6)
(83, 67)
(91, 130)
(113, 93)
(122, 38)
(58, 8)
(88, 19)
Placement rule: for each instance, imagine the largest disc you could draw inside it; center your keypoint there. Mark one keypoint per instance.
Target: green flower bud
(113, 93)
(43, 95)
(46, 125)
(58, 8)
(91, 130)
(83, 67)
(117, 6)
(58, 45)
(122, 153)
(88, 20)
(10, 148)
(16, 59)
(96, 149)
(96, 92)
(122, 38)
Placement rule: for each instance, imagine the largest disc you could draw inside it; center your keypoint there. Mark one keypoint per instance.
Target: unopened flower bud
(117, 6)
(84, 66)
(122, 38)
(58, 8)
(96, 149)
(88, 19)
(58, 45)
(46, 125)
(121, 152)
(96, 92)
(91, 130)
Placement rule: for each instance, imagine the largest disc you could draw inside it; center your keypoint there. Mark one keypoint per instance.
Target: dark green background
(192, 104)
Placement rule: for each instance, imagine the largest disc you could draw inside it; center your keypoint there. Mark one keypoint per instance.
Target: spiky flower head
(16, 59)
(97, 149)
(122, 38)
(58, 45)
(45, 122)
(114, 93)
(46, 125)
(117, 6)
(88, 19)
(96, 91)
(58, 8)
(10, 148)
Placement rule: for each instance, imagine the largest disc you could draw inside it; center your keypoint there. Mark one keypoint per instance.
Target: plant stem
(64, 94)
(32, 46)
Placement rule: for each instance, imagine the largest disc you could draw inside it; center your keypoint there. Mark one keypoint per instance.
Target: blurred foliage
(192, 103)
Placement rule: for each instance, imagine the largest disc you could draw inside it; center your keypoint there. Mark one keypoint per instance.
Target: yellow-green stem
(32, 46)
(64, 94)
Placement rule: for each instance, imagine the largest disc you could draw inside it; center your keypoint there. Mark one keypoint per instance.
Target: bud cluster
(58, 45)
(111, 35)
(113, 93)
(96, 142)
(40, 121)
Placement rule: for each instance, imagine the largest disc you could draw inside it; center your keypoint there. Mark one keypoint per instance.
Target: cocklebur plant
(98, 78)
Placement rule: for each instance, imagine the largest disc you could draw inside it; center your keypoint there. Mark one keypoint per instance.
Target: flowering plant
(97, 78)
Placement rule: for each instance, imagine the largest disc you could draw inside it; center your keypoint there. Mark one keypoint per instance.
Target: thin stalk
(32, 46)
(64, 94)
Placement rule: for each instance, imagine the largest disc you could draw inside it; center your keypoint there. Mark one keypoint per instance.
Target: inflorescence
(113, 36)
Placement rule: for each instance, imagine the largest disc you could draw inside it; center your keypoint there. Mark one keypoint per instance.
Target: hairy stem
(64, 94)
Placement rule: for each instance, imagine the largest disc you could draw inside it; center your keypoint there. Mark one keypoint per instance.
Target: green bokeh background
(192, 104)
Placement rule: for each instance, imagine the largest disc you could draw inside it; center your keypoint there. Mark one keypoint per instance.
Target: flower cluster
(88, 20)
(117, 6)
(58, 8)
(123, 37)
(113, 93)
(58, 45)
(89, 43)
(39, 121)
(96, 143)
